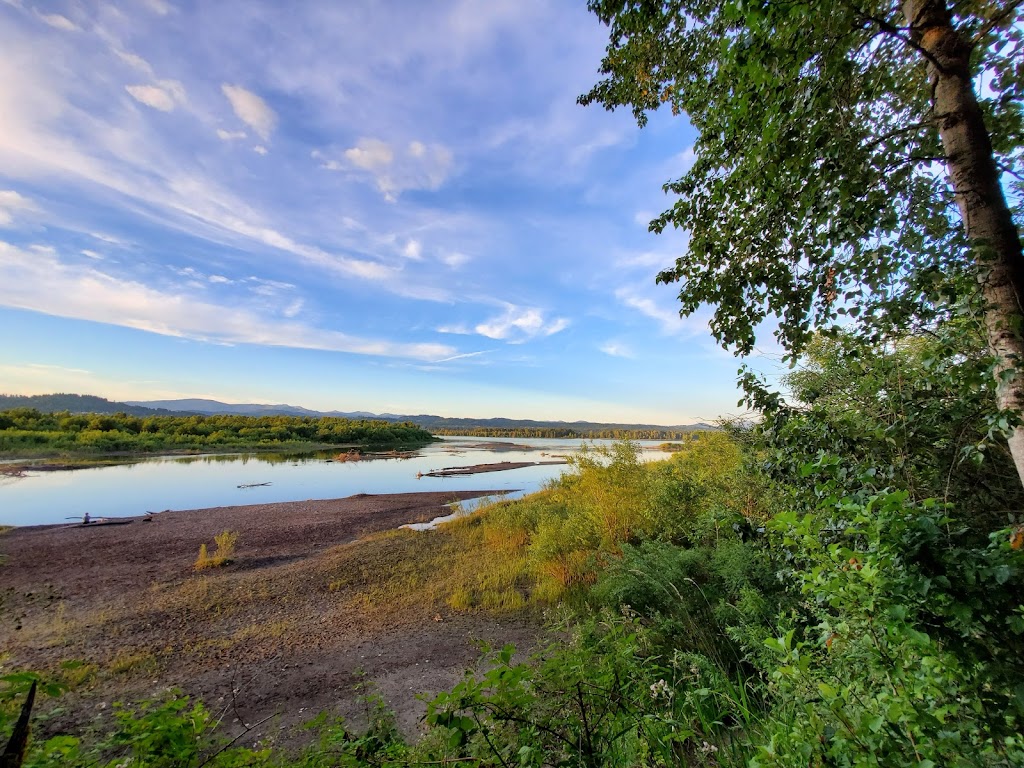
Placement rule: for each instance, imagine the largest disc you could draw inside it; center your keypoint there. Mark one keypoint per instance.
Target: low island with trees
(30, 433)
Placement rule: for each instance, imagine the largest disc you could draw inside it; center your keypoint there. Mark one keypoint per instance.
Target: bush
(225, 542)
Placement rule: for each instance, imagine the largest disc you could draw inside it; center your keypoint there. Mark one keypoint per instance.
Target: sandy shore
(285, 626)
(477, 469)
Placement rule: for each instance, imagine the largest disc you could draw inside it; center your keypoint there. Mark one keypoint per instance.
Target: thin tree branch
(1005, 169)
(995, 21)
(897, 32)
(249, 729)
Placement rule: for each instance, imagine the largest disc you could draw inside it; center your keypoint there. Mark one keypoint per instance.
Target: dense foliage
(26, 431)
(857, 166)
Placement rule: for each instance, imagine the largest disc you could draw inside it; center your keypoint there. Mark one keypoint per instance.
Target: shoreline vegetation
(568, 433)
(683, 611)
(26, 433)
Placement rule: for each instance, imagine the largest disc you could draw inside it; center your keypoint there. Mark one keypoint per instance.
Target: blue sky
(359, 206)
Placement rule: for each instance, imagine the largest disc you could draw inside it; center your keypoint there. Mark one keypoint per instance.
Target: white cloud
(370, 155)
(518, 324)
(646, 259)
(251, 110)
(560, 324)
(159, 7)
(11, 203)
(395, 169)
(92, 254)
(259, 149)
(151, 96)
(42, 283)
(413, 250)
(134, 60)
(669, 319)
(454, 259)
(616, 349)
(57, 21)
(163, 97)
(463, 356)
(110, 239)
(230, 135)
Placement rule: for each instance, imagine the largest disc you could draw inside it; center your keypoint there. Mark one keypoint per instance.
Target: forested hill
(441, 425)
(527, 428)
(80, 404)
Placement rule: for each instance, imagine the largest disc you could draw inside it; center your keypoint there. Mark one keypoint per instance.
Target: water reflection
(213, 480)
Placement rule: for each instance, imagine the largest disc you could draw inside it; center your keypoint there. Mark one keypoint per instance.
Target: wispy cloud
(11, 205)
(159, 7)
(42, 283)
(57, 21)
(394, 168)
(667, 317)
(463, 356)
(251, 110)
(164, 96)
(616, 349)
(454, 259)
(518, 324)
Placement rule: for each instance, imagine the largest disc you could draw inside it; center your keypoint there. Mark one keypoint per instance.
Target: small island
(28, 433)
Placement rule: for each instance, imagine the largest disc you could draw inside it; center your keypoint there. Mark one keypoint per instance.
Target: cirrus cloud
(39, 281)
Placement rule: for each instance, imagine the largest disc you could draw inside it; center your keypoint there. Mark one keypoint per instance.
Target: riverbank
(320, 596)
(52, 459)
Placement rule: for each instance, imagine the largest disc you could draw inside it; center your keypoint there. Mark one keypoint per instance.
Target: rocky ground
(316, 603)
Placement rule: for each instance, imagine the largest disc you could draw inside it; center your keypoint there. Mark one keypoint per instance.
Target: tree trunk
(979, 195)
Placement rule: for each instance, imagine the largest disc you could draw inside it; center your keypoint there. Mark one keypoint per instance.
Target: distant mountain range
(78, 404)
(193, 406)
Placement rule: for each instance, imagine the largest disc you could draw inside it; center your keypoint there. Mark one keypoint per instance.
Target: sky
(378, 206)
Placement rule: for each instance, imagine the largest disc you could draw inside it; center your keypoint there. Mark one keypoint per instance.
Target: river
(196, 482)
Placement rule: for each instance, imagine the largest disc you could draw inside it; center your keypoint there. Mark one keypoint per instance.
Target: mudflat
(317, 600)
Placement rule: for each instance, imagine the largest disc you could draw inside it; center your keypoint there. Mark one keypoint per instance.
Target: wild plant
(225, 542)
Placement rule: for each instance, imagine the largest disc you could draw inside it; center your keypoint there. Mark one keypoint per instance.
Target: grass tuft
(225, 542)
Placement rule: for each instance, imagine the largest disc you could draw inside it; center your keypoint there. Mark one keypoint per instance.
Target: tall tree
(850, 164)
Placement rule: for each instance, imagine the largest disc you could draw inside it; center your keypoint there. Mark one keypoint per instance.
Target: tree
(849, 164)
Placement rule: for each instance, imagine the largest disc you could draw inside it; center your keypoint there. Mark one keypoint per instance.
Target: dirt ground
(309, 610)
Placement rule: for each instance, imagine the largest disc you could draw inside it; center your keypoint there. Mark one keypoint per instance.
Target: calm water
(196, 482)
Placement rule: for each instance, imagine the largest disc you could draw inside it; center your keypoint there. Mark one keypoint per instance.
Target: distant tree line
(564, 432)
(27, 430)
(63, 401)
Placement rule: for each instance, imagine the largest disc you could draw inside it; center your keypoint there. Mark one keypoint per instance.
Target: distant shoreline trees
(567, 433)
(27, 430)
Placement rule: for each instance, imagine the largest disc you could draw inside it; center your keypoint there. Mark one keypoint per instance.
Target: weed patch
(223, 554)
